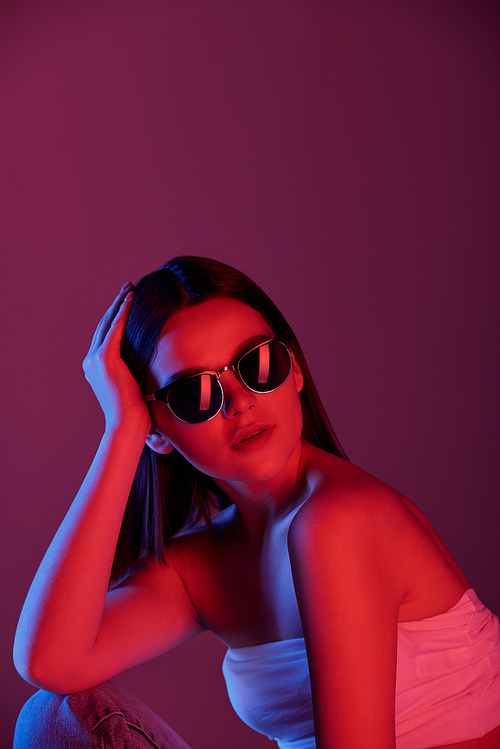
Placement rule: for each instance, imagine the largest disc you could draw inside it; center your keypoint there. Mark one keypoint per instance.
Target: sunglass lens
(195, 399)
(265, 368)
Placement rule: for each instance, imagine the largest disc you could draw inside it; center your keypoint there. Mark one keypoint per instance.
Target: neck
(261, 502)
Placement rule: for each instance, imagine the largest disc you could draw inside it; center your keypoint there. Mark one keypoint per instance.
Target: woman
(211, 413)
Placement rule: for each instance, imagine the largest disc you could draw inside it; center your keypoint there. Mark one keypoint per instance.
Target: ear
(297, 373)
(158, 443)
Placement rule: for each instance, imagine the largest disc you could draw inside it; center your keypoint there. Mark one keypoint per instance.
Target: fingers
(119, 320)
(111, 314)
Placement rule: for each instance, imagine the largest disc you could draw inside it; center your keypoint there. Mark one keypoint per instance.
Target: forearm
(62, 613)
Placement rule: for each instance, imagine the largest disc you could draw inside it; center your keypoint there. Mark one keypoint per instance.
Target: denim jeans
(104, 717)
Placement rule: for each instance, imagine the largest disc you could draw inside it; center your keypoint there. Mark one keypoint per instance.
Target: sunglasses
(200, 397)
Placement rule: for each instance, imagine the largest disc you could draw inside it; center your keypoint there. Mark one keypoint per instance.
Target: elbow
(23, 657)
(32, 671)
(26, 656)
(40, 672)
(28, 668)
(42, 678)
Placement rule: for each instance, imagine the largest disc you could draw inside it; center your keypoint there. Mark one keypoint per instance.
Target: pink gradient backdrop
(345, 155)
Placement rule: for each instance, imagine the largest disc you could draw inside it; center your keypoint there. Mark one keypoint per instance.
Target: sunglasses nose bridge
(233, 390)
(225, 369)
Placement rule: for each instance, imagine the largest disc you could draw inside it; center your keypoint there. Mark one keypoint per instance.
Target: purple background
(344, 155)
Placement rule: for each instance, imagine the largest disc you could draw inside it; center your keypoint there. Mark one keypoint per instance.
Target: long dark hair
(168, 492)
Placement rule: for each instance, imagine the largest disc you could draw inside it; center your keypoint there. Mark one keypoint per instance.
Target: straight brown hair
(169, 493)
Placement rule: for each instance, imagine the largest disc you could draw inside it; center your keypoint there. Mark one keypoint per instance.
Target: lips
(246, 434)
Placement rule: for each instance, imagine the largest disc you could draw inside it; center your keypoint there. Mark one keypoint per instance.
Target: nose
(237, 398)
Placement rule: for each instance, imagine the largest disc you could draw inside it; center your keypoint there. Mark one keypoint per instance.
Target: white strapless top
(447, 686)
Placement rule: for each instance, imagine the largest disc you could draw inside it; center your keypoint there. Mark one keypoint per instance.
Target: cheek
(196, 442)
(199, 443)
(207, 450)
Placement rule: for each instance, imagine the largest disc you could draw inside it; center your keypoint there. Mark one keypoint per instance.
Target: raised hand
(111, 380)
(65, 640)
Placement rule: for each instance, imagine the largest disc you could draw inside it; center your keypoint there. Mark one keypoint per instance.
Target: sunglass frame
(284, 340)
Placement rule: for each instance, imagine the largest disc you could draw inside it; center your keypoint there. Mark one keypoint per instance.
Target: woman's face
(210, 336)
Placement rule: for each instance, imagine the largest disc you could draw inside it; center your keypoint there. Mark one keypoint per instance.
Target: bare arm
(349, 592)
(72, 634)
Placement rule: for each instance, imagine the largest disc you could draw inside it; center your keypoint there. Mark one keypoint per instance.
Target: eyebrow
(243, 348)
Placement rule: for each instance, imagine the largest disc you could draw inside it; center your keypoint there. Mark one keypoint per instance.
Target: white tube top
(447, 685)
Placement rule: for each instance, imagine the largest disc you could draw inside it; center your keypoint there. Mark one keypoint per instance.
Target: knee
(101, 716)
(47, 721)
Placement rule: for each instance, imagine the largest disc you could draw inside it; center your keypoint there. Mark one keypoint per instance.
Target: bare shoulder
(344, 499)
(355, 524)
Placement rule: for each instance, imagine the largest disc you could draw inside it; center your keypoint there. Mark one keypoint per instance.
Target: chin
(259, 468)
